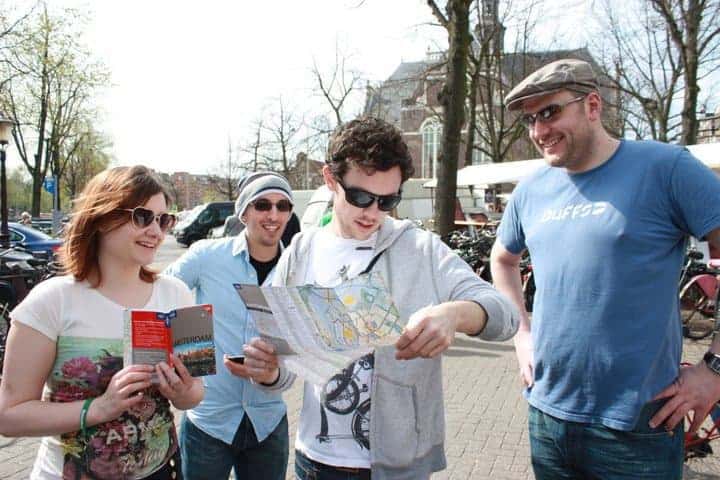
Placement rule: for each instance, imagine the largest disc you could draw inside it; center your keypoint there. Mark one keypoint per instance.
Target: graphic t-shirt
(607, 246)
(335, 418)
(88, 330)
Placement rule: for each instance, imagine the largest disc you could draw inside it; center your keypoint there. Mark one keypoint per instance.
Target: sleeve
(178, 291)
(188, 267)
(42, 309)
(510, 233)
(459, 283)
(695, 192)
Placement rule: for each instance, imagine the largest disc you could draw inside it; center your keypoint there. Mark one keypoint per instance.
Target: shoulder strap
(373, 262)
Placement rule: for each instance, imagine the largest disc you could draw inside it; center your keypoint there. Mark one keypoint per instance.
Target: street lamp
(6, 126)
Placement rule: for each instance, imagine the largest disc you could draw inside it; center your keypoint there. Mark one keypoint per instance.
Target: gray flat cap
(565, 74)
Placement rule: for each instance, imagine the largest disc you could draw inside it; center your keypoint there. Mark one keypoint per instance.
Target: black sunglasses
(547, 114)
(265, 205)
(142, 217)
(357, 197)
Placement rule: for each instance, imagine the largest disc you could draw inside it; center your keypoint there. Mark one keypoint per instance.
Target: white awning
(513, 172)
(489, 173)
(708, 153)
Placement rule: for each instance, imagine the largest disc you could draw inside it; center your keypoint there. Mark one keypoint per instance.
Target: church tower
(489, 30)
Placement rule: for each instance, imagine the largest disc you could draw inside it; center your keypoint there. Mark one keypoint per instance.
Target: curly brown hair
(370, 144)
(98, 210)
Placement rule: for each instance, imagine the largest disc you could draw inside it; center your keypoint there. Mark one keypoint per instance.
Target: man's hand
(696, 389)
(428, 333)
(524, 352)
(261, 363)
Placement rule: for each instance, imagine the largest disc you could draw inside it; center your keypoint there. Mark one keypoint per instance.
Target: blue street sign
(49, 184)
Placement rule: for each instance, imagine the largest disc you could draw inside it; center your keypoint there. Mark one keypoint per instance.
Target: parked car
(199, 222)
(39, 243)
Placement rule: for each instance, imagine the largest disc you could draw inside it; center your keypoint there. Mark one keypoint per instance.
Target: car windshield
(191, 216)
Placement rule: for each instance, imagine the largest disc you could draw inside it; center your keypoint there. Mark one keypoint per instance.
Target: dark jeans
(307, 469)
(570, 450)
(206, 458)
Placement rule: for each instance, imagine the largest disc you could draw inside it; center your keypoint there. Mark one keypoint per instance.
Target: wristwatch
(712, 360)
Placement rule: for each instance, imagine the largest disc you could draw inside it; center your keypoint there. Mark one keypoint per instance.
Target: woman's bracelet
(83, 415)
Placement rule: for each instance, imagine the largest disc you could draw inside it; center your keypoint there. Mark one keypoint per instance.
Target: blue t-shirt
(607, 247)
(211, 267)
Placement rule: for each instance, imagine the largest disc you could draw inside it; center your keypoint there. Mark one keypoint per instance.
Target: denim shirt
(210, 267)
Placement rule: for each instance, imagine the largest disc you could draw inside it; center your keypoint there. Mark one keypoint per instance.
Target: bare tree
(695, 31)
(643, 68)
(225, 176)
(492, 73)
(452, 97)
(337, 85)
(253, 159)
(282, 127)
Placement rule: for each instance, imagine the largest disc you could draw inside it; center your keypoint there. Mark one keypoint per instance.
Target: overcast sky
(186, 76)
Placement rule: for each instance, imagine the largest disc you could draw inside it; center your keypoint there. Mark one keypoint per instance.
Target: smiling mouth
(271, 228)
(147, 244)
(551, 143)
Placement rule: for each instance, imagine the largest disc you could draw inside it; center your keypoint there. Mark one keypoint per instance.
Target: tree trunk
(472, 112)
(452, 97)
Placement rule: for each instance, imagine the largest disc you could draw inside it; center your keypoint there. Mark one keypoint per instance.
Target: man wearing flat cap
(606, 223)
(237, 426)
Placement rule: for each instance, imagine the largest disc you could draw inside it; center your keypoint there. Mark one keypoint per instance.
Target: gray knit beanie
(257, 184)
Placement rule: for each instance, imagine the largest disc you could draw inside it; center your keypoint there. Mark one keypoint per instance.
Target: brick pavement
(485, 413)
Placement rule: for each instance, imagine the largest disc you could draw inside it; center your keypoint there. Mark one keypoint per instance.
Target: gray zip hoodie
(407, 426)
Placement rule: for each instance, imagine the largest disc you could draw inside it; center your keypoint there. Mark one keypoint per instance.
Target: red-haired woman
(64, 377)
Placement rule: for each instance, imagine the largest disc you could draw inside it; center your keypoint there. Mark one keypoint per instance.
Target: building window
(431, 135)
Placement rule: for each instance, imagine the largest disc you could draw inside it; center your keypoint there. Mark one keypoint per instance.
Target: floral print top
(89, 353)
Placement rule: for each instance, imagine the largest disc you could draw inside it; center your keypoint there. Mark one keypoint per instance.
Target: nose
(538, 129)
(154, 228)
(273, 213)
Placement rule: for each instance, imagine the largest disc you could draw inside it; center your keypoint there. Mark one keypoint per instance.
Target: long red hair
(98, 210)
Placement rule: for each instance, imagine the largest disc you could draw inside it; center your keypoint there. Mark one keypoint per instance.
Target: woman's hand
(123, 392)
(177, 385)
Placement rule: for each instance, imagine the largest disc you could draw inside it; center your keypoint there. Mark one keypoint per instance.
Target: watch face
(713, 362)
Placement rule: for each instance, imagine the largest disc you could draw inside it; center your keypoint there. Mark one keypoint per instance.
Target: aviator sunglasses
(142, 217)
(547, 114)
(357, 197)
(265, 205)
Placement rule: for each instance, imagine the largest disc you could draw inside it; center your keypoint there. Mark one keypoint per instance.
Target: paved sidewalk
(486, 419)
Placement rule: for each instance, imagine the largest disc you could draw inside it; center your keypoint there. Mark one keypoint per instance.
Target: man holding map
(402, 435)
(236, 425)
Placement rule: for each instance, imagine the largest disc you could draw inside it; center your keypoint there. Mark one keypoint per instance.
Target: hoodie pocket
(394, 423)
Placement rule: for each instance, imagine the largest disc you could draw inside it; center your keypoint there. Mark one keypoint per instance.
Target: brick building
(409, 97)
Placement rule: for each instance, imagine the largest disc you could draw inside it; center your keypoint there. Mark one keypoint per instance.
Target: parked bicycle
(699, 286)
(20, 271)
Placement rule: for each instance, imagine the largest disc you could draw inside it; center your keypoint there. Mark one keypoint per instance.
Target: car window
(15, 236)
(207, 216)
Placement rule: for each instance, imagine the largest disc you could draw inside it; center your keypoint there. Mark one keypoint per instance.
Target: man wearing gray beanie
(236, 425)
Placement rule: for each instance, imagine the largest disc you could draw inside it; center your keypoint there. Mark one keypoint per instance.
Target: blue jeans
(570, 450)
(307, 469)
(204, 457)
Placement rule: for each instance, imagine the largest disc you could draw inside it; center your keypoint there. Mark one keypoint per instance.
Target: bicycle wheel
(695, 313)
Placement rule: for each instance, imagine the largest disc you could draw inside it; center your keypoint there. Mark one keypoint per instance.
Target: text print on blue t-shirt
(572, 212)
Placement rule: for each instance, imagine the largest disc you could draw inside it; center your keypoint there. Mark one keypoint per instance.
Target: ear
(594, 106)
(329, 178)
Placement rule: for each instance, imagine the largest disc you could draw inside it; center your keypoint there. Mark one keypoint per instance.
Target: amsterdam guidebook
(152, 337)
